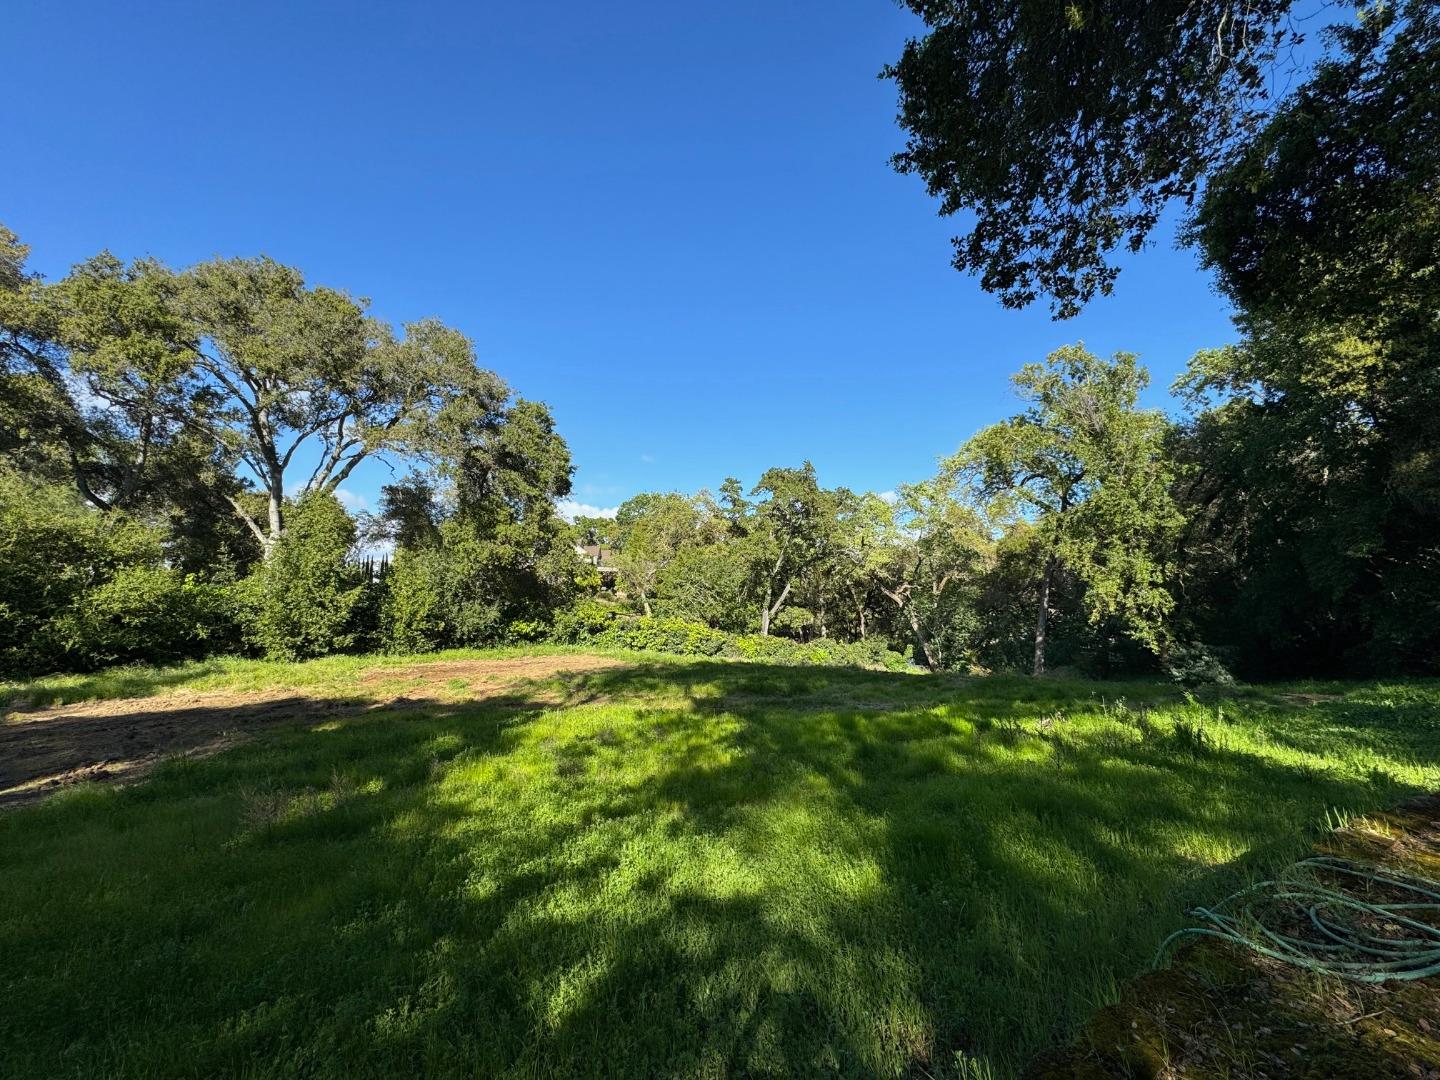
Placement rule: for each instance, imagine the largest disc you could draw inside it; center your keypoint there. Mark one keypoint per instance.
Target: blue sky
(674, 223)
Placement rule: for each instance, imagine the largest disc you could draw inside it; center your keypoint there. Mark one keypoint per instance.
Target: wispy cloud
(888, 496)
(351, 500)
(648, 459)
(569, 509)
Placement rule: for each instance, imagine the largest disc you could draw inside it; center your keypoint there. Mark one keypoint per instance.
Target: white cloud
(569, 509)
(352, 501)
(888, 496)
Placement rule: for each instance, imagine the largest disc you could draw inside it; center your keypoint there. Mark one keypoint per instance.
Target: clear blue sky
(675, 223)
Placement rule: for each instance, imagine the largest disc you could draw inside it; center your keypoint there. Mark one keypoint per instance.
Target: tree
(707, 582)
(301, 602)
(258, 365)
(1067, 127)
(784, 533)
(929, 567)
(1089, 467)
(411, 512)
(653, 529)
(502, 557)
(600, 531)
(1315, 442)
(1329, 213)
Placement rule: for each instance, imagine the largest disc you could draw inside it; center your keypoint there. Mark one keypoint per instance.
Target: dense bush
(305, 599)
(599, 625)
(144, 614)
(80, 589)
(1195, 664)
(466, 588)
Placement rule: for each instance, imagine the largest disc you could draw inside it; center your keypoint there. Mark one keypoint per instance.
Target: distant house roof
(598, 556)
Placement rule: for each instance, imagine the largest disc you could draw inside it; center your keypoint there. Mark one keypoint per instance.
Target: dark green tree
(1066, 127)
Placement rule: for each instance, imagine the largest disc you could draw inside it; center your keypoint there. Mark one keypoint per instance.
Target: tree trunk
(645, 602)
(769, 610)
(1043, 616)
(931, 660)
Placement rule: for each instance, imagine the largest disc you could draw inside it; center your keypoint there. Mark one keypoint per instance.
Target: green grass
(685, 869)
(330, 676)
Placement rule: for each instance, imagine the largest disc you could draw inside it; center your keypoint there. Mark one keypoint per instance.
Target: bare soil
(44, 750)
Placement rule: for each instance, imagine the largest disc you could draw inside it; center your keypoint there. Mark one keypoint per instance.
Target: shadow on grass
(668, 870)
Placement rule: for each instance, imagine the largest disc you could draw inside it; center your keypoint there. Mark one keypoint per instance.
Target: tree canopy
(1062, 130)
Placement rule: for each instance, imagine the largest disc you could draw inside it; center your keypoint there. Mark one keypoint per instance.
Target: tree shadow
(669, 869)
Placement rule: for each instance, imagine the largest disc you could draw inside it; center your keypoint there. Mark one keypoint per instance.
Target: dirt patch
(44, 750)
(1224, 1011)
(508, 671)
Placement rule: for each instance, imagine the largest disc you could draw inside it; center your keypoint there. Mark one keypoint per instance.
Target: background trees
(1306, 472)
(1089, 468)
(171, 440)
(201, 411)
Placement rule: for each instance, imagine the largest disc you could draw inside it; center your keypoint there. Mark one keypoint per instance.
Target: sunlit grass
(673, 869)
(327, 675)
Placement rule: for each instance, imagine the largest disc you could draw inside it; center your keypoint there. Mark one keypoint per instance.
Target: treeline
(173, 443)
(171, 446)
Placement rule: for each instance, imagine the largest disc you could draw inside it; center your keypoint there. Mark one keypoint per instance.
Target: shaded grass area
(668, 869)
(1221, 1011)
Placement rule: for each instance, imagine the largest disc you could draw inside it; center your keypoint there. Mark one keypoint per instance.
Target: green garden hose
(1343, 923)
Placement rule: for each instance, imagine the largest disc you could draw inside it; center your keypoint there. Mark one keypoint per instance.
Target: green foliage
(80, 589)
(707, 584)
(413, 617)
(595, 624)
(1329, 213)
(144, 614)
(304, 599)
(468, 590)
(583, 621)
(1092, 470)
(1065, 129)
(1195, 664)
(1314, 454)
(664, 635)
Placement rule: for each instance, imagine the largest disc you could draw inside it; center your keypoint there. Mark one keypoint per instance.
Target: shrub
(144, 614)
(582, 622)
(1197, 665)
(79, 589)
(303, 601)
(412, 615)
(596, 624)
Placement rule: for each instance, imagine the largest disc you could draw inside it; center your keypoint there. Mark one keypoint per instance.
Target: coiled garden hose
(1344, 941)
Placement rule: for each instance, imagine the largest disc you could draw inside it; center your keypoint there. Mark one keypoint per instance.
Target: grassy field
(659, 868)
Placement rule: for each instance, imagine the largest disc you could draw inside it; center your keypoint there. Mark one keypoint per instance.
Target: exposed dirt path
(44, 750)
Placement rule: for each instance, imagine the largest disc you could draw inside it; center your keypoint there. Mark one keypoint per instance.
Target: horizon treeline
(171, 443)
